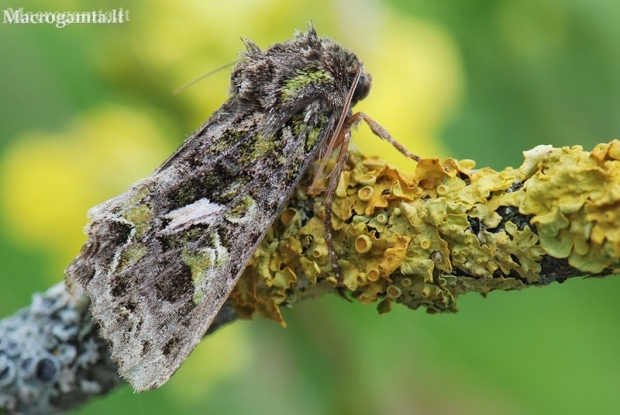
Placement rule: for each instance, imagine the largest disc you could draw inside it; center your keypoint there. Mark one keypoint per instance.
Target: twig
(418, 239)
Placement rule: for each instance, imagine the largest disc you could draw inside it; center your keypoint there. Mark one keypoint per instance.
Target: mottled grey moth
(162, 258)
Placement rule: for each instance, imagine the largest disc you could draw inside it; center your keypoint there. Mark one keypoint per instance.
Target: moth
(162, 257)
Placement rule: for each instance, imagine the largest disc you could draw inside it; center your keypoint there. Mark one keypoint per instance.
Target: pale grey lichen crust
(51, 356)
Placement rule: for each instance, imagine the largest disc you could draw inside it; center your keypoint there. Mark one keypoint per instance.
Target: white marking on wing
(201, 211)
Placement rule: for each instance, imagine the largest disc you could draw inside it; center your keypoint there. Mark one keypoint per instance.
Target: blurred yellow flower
(49, 180)
(417, 74)
(417, 82)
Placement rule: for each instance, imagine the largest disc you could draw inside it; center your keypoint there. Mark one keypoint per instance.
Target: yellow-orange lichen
(399, 237)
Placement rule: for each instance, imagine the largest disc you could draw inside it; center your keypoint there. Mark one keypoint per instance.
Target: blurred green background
(87, 109)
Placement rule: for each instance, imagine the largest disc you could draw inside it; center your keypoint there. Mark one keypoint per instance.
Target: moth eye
(362, 88)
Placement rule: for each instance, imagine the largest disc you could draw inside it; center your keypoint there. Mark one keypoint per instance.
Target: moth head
(293, 74)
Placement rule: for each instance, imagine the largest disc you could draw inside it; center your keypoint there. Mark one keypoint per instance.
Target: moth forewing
(163, 257)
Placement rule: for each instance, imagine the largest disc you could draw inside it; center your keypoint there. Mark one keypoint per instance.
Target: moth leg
(334, 177)
(379, 131)
(343, 140)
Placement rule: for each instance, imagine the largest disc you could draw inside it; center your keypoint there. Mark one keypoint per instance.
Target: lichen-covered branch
(419, 239)
(423, 239)
(52, 358)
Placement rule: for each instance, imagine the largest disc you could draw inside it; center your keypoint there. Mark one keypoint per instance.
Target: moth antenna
(201, 77)
(335, 136)
(340, 137)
